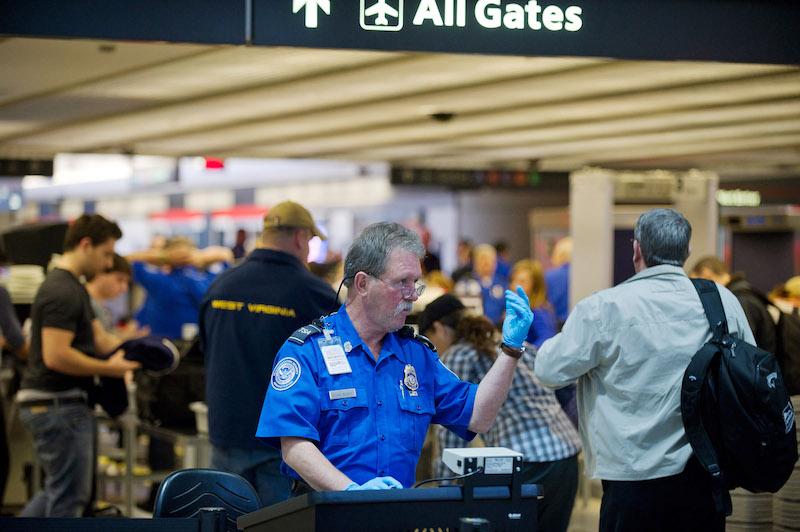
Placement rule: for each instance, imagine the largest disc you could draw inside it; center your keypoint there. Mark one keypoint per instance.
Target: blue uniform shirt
(557, 281)
(173, 298)
(368, 423)
(543, 327)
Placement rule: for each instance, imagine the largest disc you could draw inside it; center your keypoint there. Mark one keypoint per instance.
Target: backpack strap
(693, 379)
(712, 304)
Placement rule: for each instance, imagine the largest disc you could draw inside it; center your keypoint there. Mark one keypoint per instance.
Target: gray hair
(663, 235)
(372, 248)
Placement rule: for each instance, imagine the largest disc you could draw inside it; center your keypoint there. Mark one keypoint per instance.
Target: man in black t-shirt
(68, 347)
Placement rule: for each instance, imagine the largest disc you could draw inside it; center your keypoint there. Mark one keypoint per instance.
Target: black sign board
(747, 31)
(724, 30)
(473, 179)
(23, 167)
(198, 21)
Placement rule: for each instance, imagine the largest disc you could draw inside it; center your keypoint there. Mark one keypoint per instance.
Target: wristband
(510, 351)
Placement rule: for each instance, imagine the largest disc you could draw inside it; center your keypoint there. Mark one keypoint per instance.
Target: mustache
(403, 306)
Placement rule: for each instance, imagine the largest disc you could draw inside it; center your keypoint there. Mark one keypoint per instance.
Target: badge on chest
(333, 353)
(410, 380)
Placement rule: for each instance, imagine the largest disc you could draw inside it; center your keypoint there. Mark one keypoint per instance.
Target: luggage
(163, 400)
(736, 410)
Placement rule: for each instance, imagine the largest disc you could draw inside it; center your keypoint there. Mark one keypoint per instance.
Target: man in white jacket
(628, 347)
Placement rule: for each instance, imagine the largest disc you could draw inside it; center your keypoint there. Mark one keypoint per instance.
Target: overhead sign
(199, 21)
(739, 198)
(729, 30)
(23, 167)
(473, 179)
(747, 31)
(388, 15)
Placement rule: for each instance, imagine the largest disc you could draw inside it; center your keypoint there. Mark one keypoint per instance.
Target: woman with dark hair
(531, 420)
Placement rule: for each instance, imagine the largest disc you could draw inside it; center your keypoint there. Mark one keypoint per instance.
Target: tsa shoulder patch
(286, 374)
(300, 335)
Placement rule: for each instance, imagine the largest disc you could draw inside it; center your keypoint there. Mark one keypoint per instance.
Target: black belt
(55, 401)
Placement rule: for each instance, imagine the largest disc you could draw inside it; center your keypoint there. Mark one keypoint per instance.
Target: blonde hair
(538, 293)
(484, 249)
(562, 251)
(437, 278)
(792, 286)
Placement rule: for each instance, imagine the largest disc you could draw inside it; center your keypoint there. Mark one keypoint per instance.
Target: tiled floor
(585, 518)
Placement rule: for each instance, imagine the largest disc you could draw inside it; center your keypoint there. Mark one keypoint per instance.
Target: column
(592, 230)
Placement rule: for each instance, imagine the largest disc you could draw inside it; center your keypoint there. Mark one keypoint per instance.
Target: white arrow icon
(311, 10)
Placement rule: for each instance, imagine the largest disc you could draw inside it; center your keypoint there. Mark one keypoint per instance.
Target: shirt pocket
(415, 416)
(340, 417)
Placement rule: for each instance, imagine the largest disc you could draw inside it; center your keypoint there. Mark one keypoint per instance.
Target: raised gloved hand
(519, 317)
(377, 483)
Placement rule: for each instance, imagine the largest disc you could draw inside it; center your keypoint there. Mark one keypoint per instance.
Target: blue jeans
(261, 467)
(63, 438)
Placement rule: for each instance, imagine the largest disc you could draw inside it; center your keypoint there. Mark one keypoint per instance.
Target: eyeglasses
(406, 288)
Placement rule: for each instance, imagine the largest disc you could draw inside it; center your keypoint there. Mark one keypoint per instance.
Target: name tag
(347, 393)
(335, 359)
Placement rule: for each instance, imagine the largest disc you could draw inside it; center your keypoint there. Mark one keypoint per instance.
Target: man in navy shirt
(351, 395)
(246, 316)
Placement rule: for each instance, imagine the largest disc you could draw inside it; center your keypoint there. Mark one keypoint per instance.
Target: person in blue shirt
(503, 259)
(485, 282)
(176, 281)
(351, 395)
(557, 278)
(528, 274)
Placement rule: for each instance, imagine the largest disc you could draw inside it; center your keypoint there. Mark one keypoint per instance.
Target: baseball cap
(438, 309)
(291, 214)
(155, 353)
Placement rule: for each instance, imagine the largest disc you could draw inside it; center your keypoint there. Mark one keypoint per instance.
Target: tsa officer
(351, 395)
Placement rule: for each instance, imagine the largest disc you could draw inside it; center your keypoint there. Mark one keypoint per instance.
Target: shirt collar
(273, 255)
(653, 271)
(345, 330)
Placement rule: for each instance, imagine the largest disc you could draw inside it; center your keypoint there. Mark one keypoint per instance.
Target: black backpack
(736, 410)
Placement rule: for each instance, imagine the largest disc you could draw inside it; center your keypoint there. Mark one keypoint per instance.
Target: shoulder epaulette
(407, 331)
(300, 335)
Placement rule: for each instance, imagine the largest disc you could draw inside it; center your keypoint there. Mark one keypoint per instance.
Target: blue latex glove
(377, 483)
(519, 317)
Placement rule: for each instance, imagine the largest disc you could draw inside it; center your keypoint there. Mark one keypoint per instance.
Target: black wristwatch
(511, 351)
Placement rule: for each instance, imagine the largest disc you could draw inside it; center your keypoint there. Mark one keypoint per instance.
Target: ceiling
(555, 114)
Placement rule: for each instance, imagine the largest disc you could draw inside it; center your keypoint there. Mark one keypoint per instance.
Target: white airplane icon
(382, 9)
